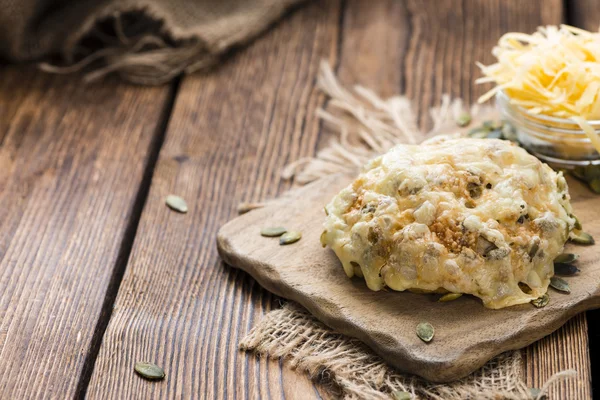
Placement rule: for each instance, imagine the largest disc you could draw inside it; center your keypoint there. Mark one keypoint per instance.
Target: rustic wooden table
(96, 273)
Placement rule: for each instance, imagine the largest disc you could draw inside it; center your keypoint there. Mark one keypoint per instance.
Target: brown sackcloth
(145, 41)
(367, 126)
(350, 370)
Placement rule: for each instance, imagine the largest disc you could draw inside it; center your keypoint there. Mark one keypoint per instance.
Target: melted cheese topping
(481, 217)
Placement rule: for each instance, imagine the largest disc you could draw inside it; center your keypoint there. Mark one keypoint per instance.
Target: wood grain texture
(586, 14)
(583, 14)
(179, 306)
(386, 320)
(425, 49)
(448, 37)
(72, 159)
(231, 134)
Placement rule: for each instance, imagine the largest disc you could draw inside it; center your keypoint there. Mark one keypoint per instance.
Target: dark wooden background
(96, 273)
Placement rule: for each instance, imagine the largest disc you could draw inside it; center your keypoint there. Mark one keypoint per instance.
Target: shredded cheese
(554, 71)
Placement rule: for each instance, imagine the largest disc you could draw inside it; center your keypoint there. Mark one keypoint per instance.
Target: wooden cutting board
(467, 335)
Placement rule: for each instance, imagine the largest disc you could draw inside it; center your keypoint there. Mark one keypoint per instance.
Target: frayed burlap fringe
(350, 370)
(368, 126)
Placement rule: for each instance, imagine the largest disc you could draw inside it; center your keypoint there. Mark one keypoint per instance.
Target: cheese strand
(589, 131)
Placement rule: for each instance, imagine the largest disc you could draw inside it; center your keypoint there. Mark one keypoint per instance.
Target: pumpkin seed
(560, 284)
(273, 231)
(425, 331)
(475, 190)
(369, 209)
(322, 238)
(495, 134)
(582, 238)
(478, 133)
(463, 119)
(591, 172)
(565, 269)
(578, 172)
(535, 246)
(509, 132)
(401, 395)
(290, 237)
(541, 301)
(595, 185)
(149, 371)
(577, 222)
(566, 258)
(450, 297)
(176, 203)
(534, 392)
(525, 288)
(491, 125)
(484, 246)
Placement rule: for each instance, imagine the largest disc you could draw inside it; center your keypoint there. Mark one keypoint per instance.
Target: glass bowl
(558, 141)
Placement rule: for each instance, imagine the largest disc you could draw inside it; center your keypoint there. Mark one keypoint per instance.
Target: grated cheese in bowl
(554, 72)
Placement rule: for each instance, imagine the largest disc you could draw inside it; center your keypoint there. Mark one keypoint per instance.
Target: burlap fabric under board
(145, 41)
(368, 126)
(350, 370)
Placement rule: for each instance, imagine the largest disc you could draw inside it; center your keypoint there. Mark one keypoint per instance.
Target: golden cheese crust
(475, 216)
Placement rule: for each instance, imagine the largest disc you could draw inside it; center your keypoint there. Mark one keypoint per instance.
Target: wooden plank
(586, 14)
(231, 133)
(583, 14)
(72, 159)
(425, 49)
(448, 37)
(373, 45)
(564, 349)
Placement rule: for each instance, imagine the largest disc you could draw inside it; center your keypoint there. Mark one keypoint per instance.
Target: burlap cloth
(145, 41)
(366, 126)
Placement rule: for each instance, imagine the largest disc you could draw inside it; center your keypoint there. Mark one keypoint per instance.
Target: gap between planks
(127, 242)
